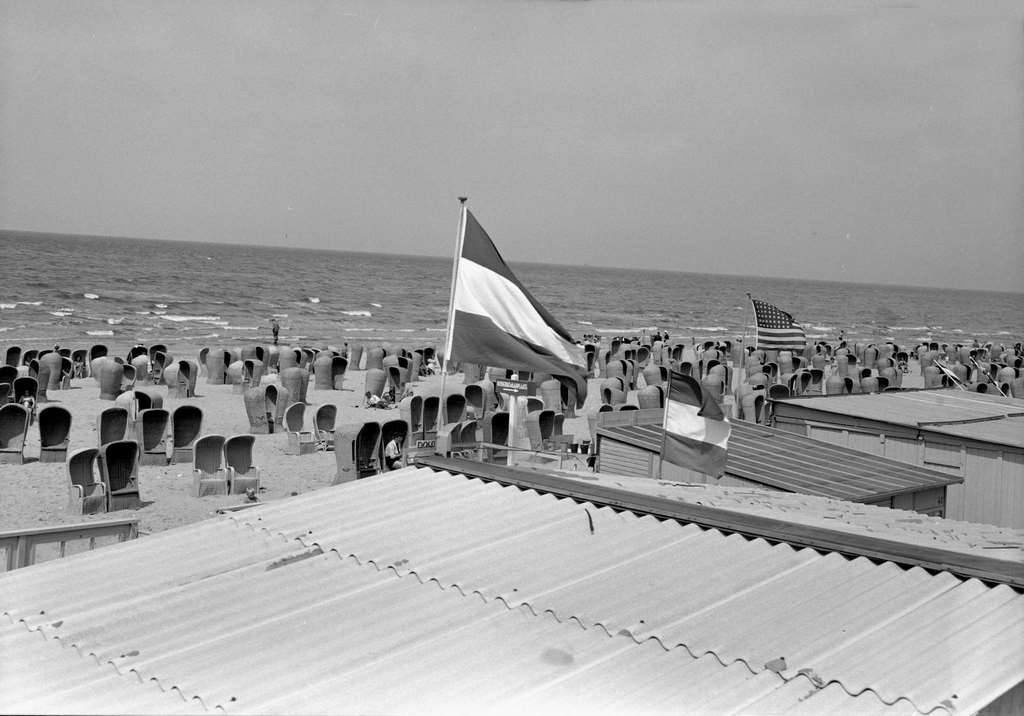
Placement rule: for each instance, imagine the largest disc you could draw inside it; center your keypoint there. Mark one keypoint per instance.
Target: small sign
(512, 387)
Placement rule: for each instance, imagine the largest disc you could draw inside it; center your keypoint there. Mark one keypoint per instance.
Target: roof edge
(993, 571)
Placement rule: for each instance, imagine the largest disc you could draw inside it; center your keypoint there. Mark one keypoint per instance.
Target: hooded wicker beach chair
(54, 433)
(14, 422)
(388, 430)
(367, 448)
(8, 374)
(455, 408)
(86, 492)
(374, 381)
(112, 424)
(300, 441)
(539, 427)
(431, 411)
(151, 434)
(209, 473)
(12, 356)
(5, 393)
(119, 469)
(375, 358)
(323, 426)
(296, 381)
(243, 473)
(411, 410)
(495, 433)
(186, 427)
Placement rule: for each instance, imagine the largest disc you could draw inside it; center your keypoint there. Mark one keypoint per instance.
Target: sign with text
(512, 387)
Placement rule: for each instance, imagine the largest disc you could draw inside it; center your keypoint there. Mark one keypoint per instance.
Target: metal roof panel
(428, 591)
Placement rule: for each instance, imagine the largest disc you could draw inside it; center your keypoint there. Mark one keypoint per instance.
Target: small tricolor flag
(696, 429)
(495, 321)
(776, 329)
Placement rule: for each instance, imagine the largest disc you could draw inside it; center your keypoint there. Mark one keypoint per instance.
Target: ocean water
(77, 290)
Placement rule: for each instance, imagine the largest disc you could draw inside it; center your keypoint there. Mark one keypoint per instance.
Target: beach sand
(35, 494)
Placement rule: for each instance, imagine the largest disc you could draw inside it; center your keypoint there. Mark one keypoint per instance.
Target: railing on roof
(20, 545)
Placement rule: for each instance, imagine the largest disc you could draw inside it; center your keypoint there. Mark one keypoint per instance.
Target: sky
(874, 142)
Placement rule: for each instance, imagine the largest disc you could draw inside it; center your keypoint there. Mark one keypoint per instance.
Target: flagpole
(450, 328)
(743, 358)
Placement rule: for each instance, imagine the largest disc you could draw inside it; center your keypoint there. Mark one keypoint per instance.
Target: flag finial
(462, 199)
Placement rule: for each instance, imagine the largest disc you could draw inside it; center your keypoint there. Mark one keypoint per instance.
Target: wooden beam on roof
(967, 566)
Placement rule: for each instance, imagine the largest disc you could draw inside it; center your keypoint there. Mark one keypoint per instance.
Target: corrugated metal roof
(796, 463)
(977, 416)
(979, 540)
(421, 591)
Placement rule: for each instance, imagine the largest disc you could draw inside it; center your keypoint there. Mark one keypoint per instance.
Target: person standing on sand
(275, 327)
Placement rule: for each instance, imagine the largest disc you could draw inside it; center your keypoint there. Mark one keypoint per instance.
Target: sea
(77, 291)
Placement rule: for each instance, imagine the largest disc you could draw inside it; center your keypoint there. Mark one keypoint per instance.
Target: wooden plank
(994, 571)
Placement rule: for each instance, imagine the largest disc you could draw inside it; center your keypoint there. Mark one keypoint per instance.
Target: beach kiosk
(978, 437)
(772, 459)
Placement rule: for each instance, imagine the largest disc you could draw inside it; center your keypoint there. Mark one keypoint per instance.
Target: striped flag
(696, 429)
(495, 321)
(776, 329)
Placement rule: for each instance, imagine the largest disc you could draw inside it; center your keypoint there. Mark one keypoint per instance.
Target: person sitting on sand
(377, 401)
(393, 453)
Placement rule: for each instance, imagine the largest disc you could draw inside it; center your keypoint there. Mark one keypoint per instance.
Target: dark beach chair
(12, 356)
(119, 469)
(54, 433)
(300, 441)
(209, 473)
(86, 493)
(5, 393)
(14, 422)
(186, 427)
(151, 434)
(243, 473)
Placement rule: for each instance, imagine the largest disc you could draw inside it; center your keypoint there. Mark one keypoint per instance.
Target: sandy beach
(35, 494)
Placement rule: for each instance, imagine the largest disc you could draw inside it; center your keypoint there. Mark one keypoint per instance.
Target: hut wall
(993, 487)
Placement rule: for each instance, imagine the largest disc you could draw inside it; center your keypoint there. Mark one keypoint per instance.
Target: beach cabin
(629, 443)
(978, 437)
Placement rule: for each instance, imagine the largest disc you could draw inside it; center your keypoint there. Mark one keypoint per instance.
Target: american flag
(776, 329)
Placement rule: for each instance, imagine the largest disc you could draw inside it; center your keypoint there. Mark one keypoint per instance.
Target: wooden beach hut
(629, 443)
(977, 437)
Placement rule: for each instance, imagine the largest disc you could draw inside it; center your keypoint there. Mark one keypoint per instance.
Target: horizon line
(521, 262)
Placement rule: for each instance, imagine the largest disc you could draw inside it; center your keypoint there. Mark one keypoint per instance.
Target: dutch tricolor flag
(495, 321)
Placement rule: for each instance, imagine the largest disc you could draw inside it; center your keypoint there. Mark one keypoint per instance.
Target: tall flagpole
(743, 361)
(450, 330)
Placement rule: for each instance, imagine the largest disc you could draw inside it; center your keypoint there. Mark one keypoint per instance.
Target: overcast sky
(855, 141)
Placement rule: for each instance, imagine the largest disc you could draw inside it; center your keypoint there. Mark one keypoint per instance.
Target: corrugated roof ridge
(534, 606)
(99, 662)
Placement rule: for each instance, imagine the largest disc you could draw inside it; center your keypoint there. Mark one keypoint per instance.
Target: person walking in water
(275, 327)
